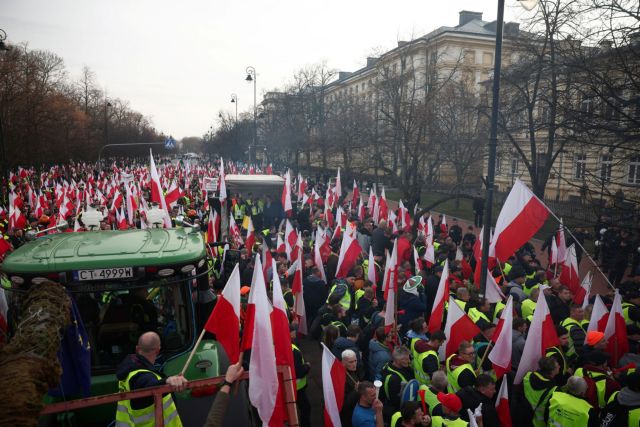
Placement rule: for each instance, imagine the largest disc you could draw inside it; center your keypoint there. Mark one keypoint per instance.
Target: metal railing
(157, 392)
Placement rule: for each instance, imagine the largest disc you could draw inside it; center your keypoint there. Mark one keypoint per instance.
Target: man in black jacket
(482, 392)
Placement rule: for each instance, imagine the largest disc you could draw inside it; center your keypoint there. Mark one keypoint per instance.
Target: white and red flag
(356, 193)
(213, 226)
(542, 335)
(502, 405)
(561, 243)
(616, 332)
(458, 327)
(173, 194)
(320, 238)
(251, 236)
(599, 316)
(350, 250)
(222, 194)
(569, 275)
(416, 261)
(280, 246)
(156, 191)
(372, 274)
(372, 200)
(298, 295)
(338, 187)
(493, 293)
(224, 320)
(282, 344)
(234, 232)
(500, 354)
(263, 387)
(286, 195)
(587, 280)
(437, 311)
(290, 240)
(390, 279)
(333, 381)
(522, 215)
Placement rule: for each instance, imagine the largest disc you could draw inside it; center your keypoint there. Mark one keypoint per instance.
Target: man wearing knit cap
(594, 341)
(451, 406)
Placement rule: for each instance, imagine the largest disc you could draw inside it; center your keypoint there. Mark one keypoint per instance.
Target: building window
(514, 165)
(498, 165)
(634, 170)
(606, 162)
(580, 161)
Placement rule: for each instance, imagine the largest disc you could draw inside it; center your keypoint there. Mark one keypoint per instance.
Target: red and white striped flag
(224, 320)
(286, 195)
(333, 381)
(616, 332)
(561, 243)
(458, 327)
(569, 275)
(372, 274)
(156, 191)
(213, 226)
(599, 316)
(298, 295)
(587, 280)
(521, 217)
(350, 250)
(502, 405)
(437, 311)
(317, 255)
(356, 193)
(500, 355)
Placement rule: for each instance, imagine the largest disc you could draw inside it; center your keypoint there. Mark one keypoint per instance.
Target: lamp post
(107, 104)
(493, 140)
(234, 100)
(252, 77)
(3, 159)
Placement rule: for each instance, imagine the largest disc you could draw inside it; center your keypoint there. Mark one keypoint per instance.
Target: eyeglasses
(469, 354)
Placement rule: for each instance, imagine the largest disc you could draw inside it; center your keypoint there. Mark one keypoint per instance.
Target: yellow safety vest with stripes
(126, 416)
(300, 382)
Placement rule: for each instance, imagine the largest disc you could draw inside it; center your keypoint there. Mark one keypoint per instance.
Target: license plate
(104, 274)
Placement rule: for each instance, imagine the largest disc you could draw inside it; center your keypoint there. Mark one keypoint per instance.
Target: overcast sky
(178, 62)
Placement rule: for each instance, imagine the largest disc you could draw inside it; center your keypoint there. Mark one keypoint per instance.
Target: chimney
(605, 44)
(511, 28)
(344, 74)
(468, 16)
(401, 43)
(371, 61)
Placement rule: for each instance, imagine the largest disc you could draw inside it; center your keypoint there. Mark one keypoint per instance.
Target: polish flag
(234, 232)
(502, 405)
(416, 261)
(286, 194)
(437, 311)
(356, 193)
(281, 343)
(587, 280)
(372, 274)
(554, 252)
(222, 194)
(131, 206)
(458, 327)
(500, 354)
(389, 311)
(541, 336)
(117, 200)
(520, 218)
(384, 206)
(325, 247)
(599, 316)
(338, 187)
(121, 220)
(390, 279)
(280, 246)
(317, 255)
(429, 255)
(616, 332)
(213, 226)
(302, 187)
(429, 231)
(156, 191)
(561, 243)
(350, 250)
(291, 239)
(328, 215)
(443, 225)
(493, 293)
(224, 320)
(173, 194)
(263, 387)
(372, 200)
(405, 217)
(569, 276)
(251, 236)
(361, 210)
(298, 295)
(266, 263)
(333, 380)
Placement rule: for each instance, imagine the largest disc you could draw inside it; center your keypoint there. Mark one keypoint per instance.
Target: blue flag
(75, 358)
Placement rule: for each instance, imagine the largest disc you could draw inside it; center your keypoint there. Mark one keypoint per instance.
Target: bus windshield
(124, 283)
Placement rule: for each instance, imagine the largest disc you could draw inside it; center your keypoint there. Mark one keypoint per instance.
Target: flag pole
(193, 351)
(484, 357)
(584, 251)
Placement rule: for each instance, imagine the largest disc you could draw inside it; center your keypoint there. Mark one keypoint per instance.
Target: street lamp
(493, 140)
(252, 77)
(234, 100)
(106, 122)
(3, 47)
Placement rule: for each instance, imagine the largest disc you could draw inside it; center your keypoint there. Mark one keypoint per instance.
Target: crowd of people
(578, 382)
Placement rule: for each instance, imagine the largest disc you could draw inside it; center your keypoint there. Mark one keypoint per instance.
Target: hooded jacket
(379, 355)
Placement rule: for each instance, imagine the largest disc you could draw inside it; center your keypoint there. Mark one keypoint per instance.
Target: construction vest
(601, 383)
(566, 410)
(568, 324)
(395, 419)
(388, 372)
(357, 295)
(284, 294)
(634, 414)
(238, 212)
(476, 315)
(625, 313)
(452, 376)
(422, 377)
(537, 398)
(506, 269)
(528, 308)
(126, 416)
(446, 422)
(527, 290)
(345, 301)
(300, 382)
(430, 398)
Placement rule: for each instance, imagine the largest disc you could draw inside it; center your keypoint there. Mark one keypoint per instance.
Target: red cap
(451, 401)
(244, 290)
(594, 337)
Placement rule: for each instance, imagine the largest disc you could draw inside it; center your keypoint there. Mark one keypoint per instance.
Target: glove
(478, 411)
